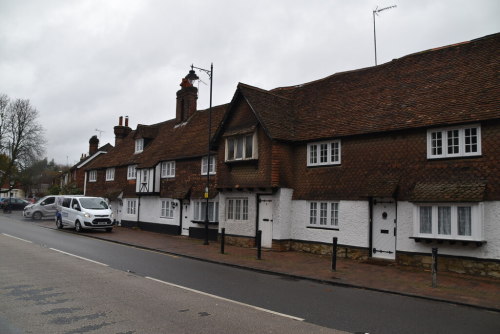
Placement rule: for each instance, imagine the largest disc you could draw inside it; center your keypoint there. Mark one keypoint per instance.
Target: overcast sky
(83, 64)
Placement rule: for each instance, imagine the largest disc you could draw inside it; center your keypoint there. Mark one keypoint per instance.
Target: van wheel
(78, 227)
(37, 215)
(59, 224)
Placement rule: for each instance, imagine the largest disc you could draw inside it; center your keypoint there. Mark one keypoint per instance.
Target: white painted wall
(151, 208)
(282, 214)
(491, 233)
(353, 224)
(241, 228)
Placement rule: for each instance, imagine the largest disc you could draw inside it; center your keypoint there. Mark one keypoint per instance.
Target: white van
(82, 212)
(44, 207)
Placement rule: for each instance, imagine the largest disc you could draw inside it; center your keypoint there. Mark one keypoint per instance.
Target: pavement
(479, 292)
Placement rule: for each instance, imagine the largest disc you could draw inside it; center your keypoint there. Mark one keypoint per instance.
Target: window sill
(464, 242)
(324, 165)
(242, 161)
(323, 228)
(203, 222)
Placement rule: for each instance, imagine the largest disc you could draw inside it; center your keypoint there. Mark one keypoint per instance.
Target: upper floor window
(200, 211)
(446, 221)
(242, 147)
(167, 209)
(92, 176)
(110, 174)
(323, 153)
(131, 172)
(139, 145)
(324, 214)
(168, 169)
(454, 142)
(204, 165)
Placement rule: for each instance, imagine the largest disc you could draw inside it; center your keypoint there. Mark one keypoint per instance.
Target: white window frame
(237, 209)
(199, 211)
(324, 214)
(324, 153)
(445, 144)
(131, 206)
(167, 209)
(476, 224)
(92, 175)
(139, 145)
(212, 165)
(110, 174)
(168, 169)
(236, 153)
(131, 172)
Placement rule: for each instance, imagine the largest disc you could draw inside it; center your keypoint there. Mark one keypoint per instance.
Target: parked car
(44, 207)
(82, 212)
(13, 203)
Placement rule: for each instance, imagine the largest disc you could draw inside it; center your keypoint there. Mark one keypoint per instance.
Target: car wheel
(78, 226)
(59, 223)
(37, 215)
(109, 229)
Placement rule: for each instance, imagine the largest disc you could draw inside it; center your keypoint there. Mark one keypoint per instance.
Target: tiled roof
(171, 141)
(184, 140)
(448, 85)
(449, 192)
(274, 112)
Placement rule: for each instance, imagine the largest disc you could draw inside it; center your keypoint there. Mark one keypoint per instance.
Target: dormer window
(241, 147)
(139, 145)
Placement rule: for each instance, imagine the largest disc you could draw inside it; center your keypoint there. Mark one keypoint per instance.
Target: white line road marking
(11, 236)
(227, 300)
(80, 257)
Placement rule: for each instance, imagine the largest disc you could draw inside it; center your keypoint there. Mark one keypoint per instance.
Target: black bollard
(334, 254)
(222, 240)
(259, 244)
(434, 266)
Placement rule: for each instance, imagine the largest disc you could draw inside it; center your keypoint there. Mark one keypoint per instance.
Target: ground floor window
(324, 214)
(446, 221)
(237, 209)
(167, 209)
(200, 208)
(131, 206)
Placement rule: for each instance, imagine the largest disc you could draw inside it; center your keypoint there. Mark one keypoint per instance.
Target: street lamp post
(191, 77)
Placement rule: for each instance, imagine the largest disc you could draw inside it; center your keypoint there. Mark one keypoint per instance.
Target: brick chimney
(186, 101)
(121, 131)
(93, 145)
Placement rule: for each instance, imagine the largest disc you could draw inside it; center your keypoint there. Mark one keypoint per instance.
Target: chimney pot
(120, 121)
(126, 120)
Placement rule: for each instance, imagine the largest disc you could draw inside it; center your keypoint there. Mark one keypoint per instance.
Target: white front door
(384, 229)
(266, 220)
(186, 222)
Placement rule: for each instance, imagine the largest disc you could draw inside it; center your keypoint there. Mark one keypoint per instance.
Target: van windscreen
(93, 203)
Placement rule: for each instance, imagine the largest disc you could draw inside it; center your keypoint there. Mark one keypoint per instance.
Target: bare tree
(21, 135)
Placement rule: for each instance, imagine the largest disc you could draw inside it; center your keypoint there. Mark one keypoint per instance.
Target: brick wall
(373, 165)
(111, 189)
(188, 181)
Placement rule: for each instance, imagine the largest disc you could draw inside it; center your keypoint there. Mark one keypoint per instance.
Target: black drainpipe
(257, 218)
(180, 216)
(370, 232)
(138, 209)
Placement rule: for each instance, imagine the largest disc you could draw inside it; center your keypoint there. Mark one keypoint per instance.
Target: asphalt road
(348, 309)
